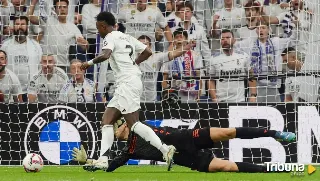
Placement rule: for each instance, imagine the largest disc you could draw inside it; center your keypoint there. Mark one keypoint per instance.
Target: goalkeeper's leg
(218, 165)
(223, 134)
(150, 136)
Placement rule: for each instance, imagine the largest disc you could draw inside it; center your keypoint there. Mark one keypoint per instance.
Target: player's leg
(149, 135)
(205, 161)
(110, 116)
(218, 165)
(223, 134)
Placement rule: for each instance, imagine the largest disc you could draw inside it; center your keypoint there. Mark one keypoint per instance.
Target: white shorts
(126, 97)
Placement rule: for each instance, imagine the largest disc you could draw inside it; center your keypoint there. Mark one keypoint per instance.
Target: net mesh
(52, 130)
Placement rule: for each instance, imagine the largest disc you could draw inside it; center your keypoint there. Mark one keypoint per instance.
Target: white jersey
(10, 86)
(302, 88)
(230, 90)
(150, 69)
(233, 19)
(292, 88)
(23, 59)
(72, 92)
(122, 61)
(245, 33)
(142, 23)
(46, 90)
(58, 37)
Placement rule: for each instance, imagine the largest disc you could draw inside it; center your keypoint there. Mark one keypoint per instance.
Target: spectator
(10, 87)
(266, 60)
(105, 81)
(58, 33)
(230, 17)
(142, 20)
(185, 65)
(173, 19)
(20, 9)
(89, 12)
(273, 7)
(45, 86)
(24, 54)
(230, 63)
(293, 85)
(151, 67)
(78, 88)
(299, 16)
(195, 31)
(6, 10)
(252, 11)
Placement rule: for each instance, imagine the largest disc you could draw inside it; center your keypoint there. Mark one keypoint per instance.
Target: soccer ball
(32, 163)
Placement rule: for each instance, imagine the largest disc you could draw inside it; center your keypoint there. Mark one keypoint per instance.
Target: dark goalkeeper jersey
(138, 148)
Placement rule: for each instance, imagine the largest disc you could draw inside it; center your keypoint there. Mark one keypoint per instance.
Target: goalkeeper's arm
(118, 161)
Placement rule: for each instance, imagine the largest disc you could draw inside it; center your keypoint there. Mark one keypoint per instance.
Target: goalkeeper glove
(79, 155)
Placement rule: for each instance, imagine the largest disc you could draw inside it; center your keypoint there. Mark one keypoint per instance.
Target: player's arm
(252, 87)
(143, 51)
(269, 19)
(288, 98)
(211, 82)
(198, 73)
(252, 82)
(143, 56)
(178, 52)
(16, 89)
(287, 91)
(105, 55)
(32, 90)
(118, 161)
(107, 49)
(161, 21)
(33, 19)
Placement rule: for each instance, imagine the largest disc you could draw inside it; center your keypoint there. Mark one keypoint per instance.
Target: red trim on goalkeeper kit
(132, 145)
(195, 133)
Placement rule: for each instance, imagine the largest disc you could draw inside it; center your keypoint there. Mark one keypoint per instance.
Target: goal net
(53, 130)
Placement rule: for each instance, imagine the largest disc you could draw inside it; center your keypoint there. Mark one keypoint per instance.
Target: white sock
(106, 139)
(149, 135)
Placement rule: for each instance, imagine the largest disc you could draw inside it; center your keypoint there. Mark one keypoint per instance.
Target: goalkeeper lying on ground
(189, 144)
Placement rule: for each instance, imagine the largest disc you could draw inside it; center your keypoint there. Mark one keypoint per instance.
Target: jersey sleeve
(108, 43)
(118, 161)
(138, 46)
(64, 93)
(288, 83)
(33, 85)
(76, 31)
(160, 19)
(211, 68)
(161, 58)
(16, 87)
(198, 63)
(281, 16)
(166, 68)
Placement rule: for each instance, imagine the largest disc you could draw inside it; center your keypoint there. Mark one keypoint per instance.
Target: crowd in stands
(237, 43)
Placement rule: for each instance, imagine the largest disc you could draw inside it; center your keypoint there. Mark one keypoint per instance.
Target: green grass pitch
(139, 173)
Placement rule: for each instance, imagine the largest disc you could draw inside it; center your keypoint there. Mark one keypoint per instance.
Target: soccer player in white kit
(120, 50)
